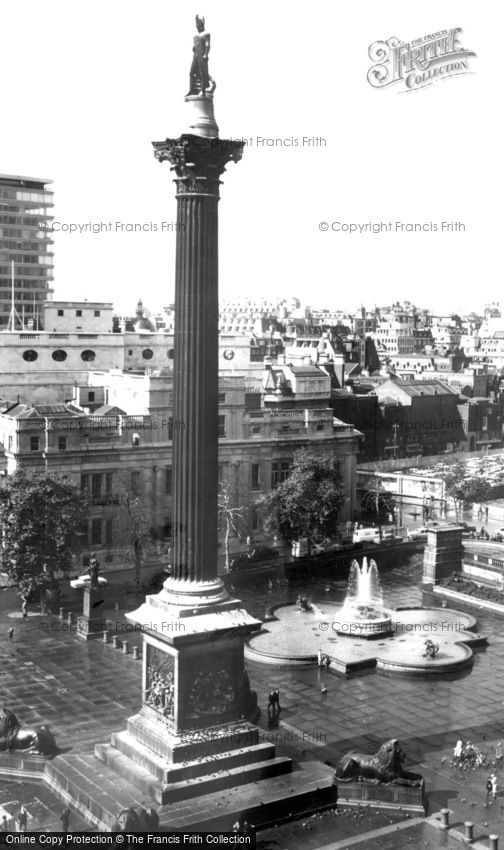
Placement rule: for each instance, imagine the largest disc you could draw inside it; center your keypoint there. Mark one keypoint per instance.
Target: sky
(88, 86)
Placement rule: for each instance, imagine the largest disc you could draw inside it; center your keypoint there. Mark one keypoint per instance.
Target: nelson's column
(197, 706)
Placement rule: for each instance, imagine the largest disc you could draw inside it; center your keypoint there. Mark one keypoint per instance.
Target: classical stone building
(116, 443)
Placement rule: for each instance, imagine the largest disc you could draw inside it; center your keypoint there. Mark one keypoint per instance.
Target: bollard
(468, 832)
(445, 818)
(494, 842)
(105, 637)
(61, 613)
(135, 652)
(115, 641)
(125, 646)
(69, 618)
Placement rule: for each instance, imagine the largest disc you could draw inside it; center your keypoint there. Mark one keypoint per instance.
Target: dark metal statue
(13, 737)
(94, 567)
(384, 766)
(431, 649)
(200, 81)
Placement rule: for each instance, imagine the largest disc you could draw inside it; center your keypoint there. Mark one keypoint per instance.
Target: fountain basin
(293, 637)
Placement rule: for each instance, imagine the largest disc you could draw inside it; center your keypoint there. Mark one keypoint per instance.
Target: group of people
(19, 822)
(274, 707)
(129, 820)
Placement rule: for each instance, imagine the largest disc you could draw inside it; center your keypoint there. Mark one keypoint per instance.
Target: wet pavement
(86, 691)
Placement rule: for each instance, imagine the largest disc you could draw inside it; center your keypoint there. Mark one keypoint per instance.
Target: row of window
(30, 355)
(96, 313)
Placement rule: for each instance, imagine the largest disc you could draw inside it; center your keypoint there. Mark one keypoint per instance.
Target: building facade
(26, 258)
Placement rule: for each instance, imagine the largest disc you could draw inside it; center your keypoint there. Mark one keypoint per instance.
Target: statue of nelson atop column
(200, 81)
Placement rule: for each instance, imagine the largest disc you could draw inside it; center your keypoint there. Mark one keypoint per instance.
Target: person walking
(488, 786)
(65, 819)
(22, 819)
(152, 819)
(276, 695)
(4, 825)
(457, 750)
(493, 780)
(10, 633)
(271, 704)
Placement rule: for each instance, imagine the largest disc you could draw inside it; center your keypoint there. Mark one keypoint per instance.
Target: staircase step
(168, 772)
(221, 779)
(188, 788)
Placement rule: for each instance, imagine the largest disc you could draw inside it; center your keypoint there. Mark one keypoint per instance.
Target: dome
(142, 322)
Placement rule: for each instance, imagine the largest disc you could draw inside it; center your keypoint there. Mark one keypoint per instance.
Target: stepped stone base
(99, 793)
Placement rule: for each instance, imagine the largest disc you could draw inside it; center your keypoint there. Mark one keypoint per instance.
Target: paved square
(86, 691)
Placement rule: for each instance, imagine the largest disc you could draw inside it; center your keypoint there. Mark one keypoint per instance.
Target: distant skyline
(87, 87)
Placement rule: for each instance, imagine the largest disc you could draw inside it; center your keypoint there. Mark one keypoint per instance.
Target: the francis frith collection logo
(420, 62)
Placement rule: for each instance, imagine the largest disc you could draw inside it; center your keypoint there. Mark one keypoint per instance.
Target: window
(96, 532)
(130, 352)
(221, 426)
(256, 429)
(96, 313)
(34, 444)
(255, 482)
(279, 472)
(168, 481)
(254, 519)
(96, 485)
(135, 482)
(91, 395)
(10, 442)
(170, 354)
(109, 529)
(84, 482)
(59, 355)
(135, 439)
(62, 443)
(61, 312)
(222, 398)
(88, 355)
(147, 354)
(30, 356)
(78, 313)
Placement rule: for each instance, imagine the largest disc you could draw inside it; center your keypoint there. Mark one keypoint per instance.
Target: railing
(483, 560)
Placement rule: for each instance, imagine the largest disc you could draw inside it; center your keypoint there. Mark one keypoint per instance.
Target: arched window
(88, 355)
(59, 355)
(135, 439)
(30, 355)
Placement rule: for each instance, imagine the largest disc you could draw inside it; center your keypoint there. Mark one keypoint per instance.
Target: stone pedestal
(443, 553)
(91, 624)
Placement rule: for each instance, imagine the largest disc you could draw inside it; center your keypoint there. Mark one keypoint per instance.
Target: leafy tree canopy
(40, 514)
(306, 504)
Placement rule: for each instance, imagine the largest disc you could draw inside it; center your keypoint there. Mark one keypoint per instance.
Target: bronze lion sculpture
(38, 741)
(384, 766)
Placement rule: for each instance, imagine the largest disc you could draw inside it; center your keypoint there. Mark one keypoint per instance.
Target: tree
(377, 500)
(229, 515)
(134, 528)
(307, 503)
(455, 484)
(40, 514)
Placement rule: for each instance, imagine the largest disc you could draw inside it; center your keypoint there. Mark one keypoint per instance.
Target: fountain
(363, 614)
(303, 633)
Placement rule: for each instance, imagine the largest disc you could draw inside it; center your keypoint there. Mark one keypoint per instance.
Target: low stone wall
(382, 796)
